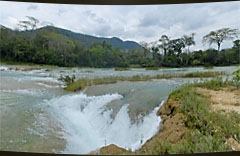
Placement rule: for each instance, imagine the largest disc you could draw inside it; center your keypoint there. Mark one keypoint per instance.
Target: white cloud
(32, 7)
(138, 23)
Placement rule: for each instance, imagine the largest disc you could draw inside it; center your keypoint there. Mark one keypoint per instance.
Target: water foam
(3, 68)
(89, 125)
(32, 92)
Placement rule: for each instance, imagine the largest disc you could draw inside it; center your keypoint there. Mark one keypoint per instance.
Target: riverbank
(196, 118)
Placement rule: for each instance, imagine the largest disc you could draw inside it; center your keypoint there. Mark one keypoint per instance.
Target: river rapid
(37, 115)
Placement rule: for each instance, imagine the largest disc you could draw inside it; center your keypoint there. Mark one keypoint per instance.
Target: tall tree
(145, 48)
(154, 47)
(30, 24)
(219, 36)
(33, 22)
(188, 40)
(236, 44)
(175, 47)
(164, 40)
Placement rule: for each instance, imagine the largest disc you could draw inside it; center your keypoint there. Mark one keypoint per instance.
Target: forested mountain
(88, 40)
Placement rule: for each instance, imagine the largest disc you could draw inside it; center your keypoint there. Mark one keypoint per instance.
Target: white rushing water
(39, 116)
(89, 125)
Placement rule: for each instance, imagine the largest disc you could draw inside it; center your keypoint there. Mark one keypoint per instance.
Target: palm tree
(219, 36)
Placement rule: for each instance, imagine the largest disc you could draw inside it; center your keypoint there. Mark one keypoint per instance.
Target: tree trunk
(219, 45)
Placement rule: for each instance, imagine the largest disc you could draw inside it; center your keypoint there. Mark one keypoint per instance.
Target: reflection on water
(37, 115)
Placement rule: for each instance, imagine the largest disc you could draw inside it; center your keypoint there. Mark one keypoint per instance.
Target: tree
(236, 45)
(188, 40)
(145, 48)
(30, 24)
(24, 25)
(33, 22)
(154, 49)
(164, 40)
(219, 36)
(175, 47)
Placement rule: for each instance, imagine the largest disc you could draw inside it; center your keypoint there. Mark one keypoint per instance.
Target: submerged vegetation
(203, 74)
(83, 82)
(152, 68)
(122, 69)
(208, 67)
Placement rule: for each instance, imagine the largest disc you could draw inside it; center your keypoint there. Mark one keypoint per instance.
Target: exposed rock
(234, 144)
(112, 150)
(47, 70)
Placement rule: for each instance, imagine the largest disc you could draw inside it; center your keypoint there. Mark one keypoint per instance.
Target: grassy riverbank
(82, 83)
(203, 128)
(195, 121)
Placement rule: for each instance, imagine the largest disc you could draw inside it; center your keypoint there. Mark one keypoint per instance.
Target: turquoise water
(37, 115)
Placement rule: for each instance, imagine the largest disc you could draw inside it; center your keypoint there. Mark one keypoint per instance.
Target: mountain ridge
(88, 40)
(85, 39)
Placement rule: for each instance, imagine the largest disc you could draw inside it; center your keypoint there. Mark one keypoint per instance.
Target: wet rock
(48, 70)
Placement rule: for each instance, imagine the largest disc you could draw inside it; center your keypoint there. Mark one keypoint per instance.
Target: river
(37, 115)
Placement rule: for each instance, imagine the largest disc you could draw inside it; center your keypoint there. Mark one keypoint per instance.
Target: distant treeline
(53, 48)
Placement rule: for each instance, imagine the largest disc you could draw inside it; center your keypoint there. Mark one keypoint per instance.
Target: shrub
(67, 79)
(236, 77)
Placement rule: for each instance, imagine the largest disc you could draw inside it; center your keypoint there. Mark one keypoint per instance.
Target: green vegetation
(219, 36)
(122, 69)
(82, 83)
(236, 78)
(208, 131)
(236, 75)
(152, 68)
(67, 79)
(55, 46)
(208, 67)
(215, 84)
(203, 74)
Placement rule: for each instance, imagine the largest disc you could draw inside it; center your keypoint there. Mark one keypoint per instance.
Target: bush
(236, 77)
(67, 79)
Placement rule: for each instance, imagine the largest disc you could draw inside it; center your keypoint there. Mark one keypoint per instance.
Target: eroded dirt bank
(173, 129)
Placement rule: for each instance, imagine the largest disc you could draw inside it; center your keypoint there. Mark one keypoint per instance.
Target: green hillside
(88, 40)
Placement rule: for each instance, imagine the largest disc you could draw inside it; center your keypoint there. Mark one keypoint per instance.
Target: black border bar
(8, 153)
(119, 2)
